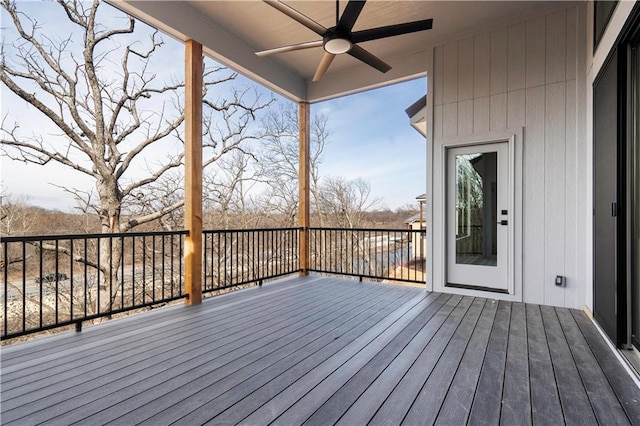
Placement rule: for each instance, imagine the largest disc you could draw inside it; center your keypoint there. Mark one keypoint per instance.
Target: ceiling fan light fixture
(337, 45)
(341, 38)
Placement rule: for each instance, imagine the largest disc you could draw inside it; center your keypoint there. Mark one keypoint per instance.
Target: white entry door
(478, 217)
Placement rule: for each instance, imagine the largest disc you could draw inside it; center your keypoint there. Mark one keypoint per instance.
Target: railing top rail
(220, 231)
(317, 228)
(83, 236)
(185, 232)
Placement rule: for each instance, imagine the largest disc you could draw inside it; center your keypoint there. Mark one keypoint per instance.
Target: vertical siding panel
(571, 44)
(498, 61)
(450, 119)
(438, 78)
(533, 199)
(498, 112)
(516, 109)
(465, 117)
(465, 69)
(571, 210)
(450, 73)
(556, 47)
(554, 176)
(535, 61)
(481, 65)
(481, 115)
(437, 122)
(516, 57)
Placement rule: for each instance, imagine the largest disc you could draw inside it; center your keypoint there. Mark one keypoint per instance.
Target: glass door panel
(476, 209)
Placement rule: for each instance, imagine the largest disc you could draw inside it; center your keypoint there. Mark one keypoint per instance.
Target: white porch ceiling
(231, 31)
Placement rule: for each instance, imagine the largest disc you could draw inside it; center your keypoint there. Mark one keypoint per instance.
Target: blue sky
(370, 137)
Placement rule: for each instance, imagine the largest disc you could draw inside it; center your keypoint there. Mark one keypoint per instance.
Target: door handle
(503, 222)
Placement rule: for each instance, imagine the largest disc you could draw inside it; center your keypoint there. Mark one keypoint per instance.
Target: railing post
(193, 172)
(303, 186)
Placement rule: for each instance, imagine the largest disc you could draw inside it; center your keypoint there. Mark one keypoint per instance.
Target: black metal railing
(379, 254)
(54, 281)
(238, 257)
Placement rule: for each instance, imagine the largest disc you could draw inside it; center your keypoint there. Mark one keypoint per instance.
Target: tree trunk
(111, 283)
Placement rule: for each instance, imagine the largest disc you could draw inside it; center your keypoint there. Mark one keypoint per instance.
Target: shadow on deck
(323, 351)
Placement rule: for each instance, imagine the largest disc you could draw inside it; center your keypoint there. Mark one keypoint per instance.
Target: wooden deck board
(625, 389)
(573, 397)
(202, 390)
(456, 406)
(486, 405)
(321, 350)
(603, 399)
(211, 357)
(177, 334)
(545, 401)
(302, 360)
(274, 381)
(299, 401)
(278, 384)
(516, 400)
(343, 398)
(87, 388)
(395, 408)
(368, 402)
(427, 404)
(55, 345)
(176, 325)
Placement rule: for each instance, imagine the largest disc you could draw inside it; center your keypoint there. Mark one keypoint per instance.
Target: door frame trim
(476, 276)
(514, 139)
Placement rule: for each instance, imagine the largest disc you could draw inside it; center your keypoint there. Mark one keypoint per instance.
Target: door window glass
(476, 208)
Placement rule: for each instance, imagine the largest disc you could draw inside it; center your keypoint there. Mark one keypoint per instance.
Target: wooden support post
(193, 172)
(304, 189)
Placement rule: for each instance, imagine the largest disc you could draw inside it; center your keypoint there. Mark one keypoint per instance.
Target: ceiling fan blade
(297, 16)
(366, 57)
(350, 14)
(324, 65)
(290, 48)
(391, 30)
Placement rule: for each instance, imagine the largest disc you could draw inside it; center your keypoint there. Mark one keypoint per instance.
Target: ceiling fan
(340, 39)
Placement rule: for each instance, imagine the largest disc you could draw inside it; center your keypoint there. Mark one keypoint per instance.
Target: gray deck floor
(323, 351)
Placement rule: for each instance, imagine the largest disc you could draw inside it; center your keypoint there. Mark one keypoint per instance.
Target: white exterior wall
(526, 76)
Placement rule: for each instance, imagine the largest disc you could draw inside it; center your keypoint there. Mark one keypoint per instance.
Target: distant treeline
(19, 217)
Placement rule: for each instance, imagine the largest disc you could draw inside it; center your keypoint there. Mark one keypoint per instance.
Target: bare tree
(279, 157)
(14, 215)
(99, 87)
(227, 191)
(110, 107)
(346, 202)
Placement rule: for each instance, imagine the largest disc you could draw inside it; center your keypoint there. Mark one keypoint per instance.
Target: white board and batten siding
(522, 76)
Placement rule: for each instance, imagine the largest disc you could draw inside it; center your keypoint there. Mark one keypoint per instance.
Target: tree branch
(151, 216)
(64, 250)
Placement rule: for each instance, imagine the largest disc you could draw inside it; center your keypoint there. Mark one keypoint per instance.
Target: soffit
(231, 31)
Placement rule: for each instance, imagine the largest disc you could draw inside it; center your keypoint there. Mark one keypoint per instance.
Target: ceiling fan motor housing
(336, 42)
